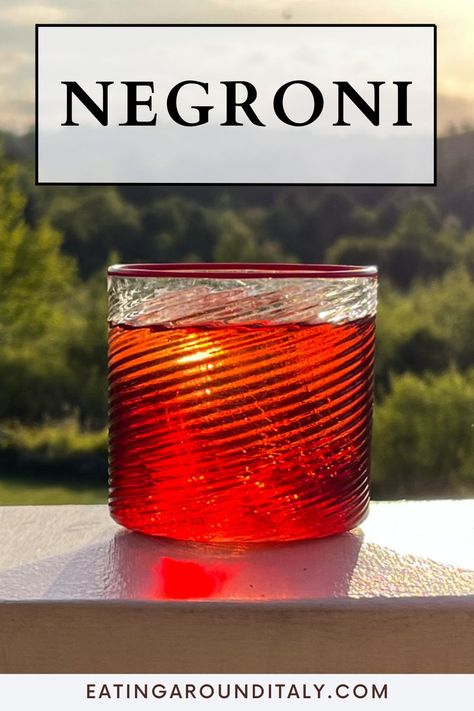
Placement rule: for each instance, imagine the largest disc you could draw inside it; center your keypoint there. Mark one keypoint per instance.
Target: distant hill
(454, 192)
(18, 148)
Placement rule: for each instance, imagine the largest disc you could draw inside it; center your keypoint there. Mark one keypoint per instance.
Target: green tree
(419, 247)
(174, 229)
(427, 329)
(240, 240)
(86, 353)
(36, 281)
(95, 222)
(307, 223)
(424, 436)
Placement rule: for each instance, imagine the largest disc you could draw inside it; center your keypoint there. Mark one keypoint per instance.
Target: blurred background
(55, 243)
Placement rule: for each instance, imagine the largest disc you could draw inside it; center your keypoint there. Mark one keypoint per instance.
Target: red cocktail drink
(229, 427)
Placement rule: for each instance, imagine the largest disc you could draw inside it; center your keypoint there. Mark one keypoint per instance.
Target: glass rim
(238, 270)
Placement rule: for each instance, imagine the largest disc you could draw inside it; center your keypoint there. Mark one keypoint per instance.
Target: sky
(455, 20)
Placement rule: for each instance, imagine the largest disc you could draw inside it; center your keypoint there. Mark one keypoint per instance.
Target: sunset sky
(455, 22)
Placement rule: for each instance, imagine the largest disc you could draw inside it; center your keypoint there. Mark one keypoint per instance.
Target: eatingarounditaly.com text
(236, 691)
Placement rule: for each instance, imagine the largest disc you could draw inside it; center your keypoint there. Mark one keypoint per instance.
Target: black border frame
(204, 185)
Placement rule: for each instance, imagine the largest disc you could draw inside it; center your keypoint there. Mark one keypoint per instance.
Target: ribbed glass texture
(240, 400)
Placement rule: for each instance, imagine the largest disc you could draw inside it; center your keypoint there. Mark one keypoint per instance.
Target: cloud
(28, 15)
(12, 62)
(17, 17)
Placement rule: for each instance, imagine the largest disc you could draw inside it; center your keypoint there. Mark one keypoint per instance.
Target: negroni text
(240, 101)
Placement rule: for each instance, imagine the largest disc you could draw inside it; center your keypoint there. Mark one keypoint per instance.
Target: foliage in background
(423, 436)
(56, 242)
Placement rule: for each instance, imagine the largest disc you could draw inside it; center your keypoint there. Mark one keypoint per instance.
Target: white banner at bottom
(215, 692)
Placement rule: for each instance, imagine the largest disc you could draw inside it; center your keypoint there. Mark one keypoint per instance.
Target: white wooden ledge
(80, 594)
